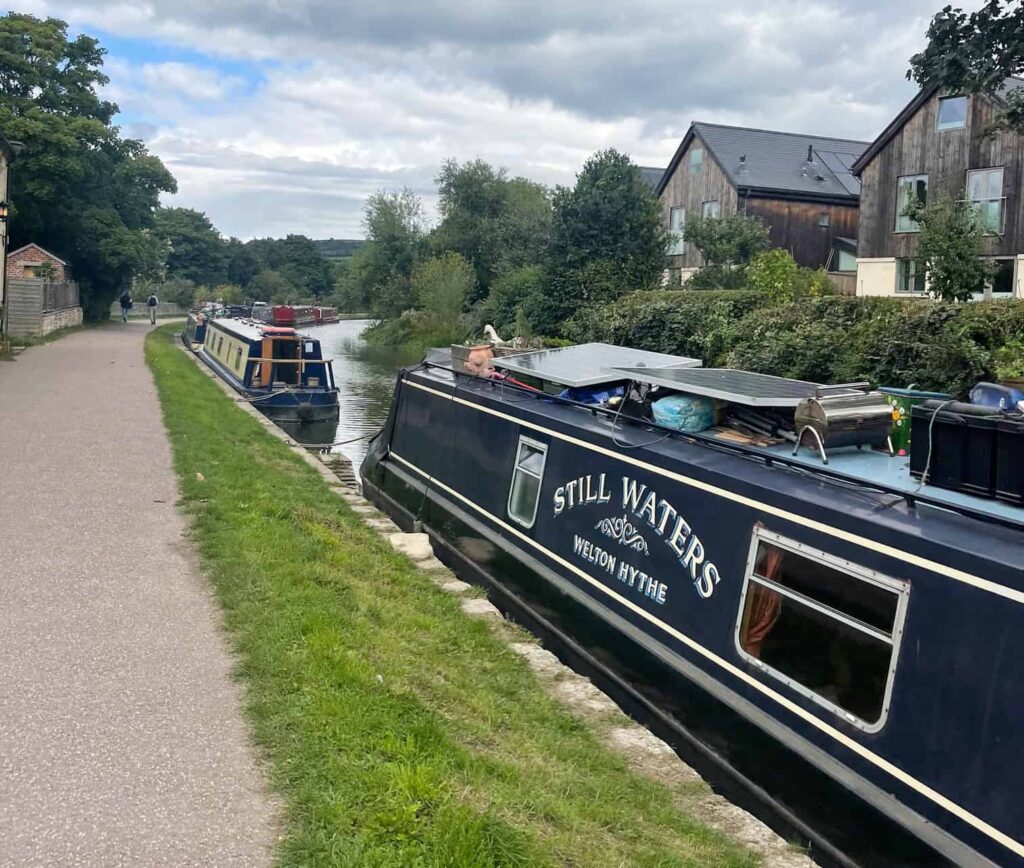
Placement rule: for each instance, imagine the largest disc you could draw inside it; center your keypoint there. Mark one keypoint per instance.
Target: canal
(365, 376)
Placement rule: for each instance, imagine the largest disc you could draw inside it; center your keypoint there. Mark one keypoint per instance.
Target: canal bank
(400, 728)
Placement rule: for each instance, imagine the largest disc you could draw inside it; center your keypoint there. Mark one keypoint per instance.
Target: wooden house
(940, 145)
(801, 186)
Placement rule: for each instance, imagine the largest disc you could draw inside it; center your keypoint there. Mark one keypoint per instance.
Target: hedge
(886, 341)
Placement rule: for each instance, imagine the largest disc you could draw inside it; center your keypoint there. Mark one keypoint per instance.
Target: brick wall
(23, 264)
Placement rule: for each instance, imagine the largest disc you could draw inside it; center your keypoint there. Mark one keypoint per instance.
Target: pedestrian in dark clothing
(151, 303)
(126, 305)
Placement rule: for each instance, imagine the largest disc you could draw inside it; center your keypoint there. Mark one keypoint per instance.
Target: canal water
(365, 377)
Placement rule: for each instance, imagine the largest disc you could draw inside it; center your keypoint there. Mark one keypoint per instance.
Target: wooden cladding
(946, 156)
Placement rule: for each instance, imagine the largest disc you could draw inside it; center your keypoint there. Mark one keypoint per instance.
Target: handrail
(911, 497)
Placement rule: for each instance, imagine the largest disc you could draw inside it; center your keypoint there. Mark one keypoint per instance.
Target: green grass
(398, 731)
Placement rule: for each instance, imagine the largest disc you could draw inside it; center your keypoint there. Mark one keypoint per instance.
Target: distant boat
(292, 315)
(323, 315)
(282, 373)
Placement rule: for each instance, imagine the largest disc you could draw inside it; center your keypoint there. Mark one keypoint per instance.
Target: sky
(282, 116)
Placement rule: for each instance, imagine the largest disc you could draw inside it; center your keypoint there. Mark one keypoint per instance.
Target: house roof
(652, 176)
(25, 247)
(776, 162)
(910, 109)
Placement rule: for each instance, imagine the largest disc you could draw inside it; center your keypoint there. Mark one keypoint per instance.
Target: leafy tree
(243, 265)
(510, 297)
(195, 249)
(606, 239)
(498, 224)
(305, 268)
(396, 242)
(776, 273)
(976, 53)
(178, 291)
(442, 285)
(270, 285)
(78, 188)
(731, 240)
(949, 248)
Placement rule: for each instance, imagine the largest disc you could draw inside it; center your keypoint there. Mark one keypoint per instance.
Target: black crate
(1010, 460)
(963, 440)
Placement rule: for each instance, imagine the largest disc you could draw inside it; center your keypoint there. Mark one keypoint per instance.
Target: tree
(727, 245)
(775, 273)
(243, 265)
(949, 248)
(606, 233)
(270, 285)
(396, 243)
(195, 249)
(79, 189)
(976, 53)
(496, 223)
(441, 286)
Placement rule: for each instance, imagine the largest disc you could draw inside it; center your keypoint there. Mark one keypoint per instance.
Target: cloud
(282, 116)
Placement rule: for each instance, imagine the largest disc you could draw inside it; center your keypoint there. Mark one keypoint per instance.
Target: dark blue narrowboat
(281, 372)
(862, 623)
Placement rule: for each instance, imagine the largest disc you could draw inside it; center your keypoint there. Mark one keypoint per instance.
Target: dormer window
(952, 113)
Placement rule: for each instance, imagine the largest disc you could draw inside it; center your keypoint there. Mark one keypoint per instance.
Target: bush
(441, 286)
(509, 297)
(694, 324)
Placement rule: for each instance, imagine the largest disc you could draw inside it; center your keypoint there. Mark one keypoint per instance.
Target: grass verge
(398, 731)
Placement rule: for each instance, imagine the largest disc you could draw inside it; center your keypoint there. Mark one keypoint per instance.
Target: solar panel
(588, 364)
(738, 387)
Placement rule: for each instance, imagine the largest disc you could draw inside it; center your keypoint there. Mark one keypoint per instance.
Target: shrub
(1009, 361)
(509, 295)
(441, 286)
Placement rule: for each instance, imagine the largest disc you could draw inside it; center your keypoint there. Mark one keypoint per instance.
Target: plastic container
(996, 395)
(902, 400)
(963, 443)
(1010, 460)
(689, 413)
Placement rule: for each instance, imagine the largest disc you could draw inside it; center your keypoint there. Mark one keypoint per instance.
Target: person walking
(151, 303)
(126, 305)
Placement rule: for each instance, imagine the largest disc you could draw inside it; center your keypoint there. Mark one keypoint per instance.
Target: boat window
(308, 347)
(220, 343)
(827, 628)
(238, 358)
(526, 478)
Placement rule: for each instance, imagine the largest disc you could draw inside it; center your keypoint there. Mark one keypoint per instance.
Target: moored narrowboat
(195, 331)
(292, 315)
(324, 315)
(855, 618)
(281, 372)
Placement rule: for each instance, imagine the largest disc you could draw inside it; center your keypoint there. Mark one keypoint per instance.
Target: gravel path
(121, 735)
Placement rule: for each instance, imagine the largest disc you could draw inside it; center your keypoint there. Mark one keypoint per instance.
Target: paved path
(121, 736)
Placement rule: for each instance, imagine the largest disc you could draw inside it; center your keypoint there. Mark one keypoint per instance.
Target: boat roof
(882, 481)
(249, 329)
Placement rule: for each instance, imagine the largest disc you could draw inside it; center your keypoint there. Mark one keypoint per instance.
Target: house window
(952, 113)
(710, 209)
(527, 474)
(823, 221)
(985, 193)
(846, 261)
(1001, 284)
(696, 161)
(910, 277)
(909, 189)
(676, 224)
(827, 628)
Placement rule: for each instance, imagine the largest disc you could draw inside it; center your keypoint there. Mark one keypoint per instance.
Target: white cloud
(336, 100)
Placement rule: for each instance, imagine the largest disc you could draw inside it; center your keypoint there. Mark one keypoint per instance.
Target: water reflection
(366, 380)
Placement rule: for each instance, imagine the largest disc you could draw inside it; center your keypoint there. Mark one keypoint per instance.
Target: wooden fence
(36, 307)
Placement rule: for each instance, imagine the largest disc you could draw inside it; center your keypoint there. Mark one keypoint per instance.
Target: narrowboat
(292, 315)
(195, 331)
(281, 372)
(856, 619)
(324, 315)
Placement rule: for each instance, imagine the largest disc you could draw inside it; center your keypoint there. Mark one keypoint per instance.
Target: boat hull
(445, 460)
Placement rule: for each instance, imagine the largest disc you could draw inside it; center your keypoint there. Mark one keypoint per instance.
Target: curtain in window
(763, 605)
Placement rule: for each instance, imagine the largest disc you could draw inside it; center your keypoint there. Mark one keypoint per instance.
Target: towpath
(122, 740)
